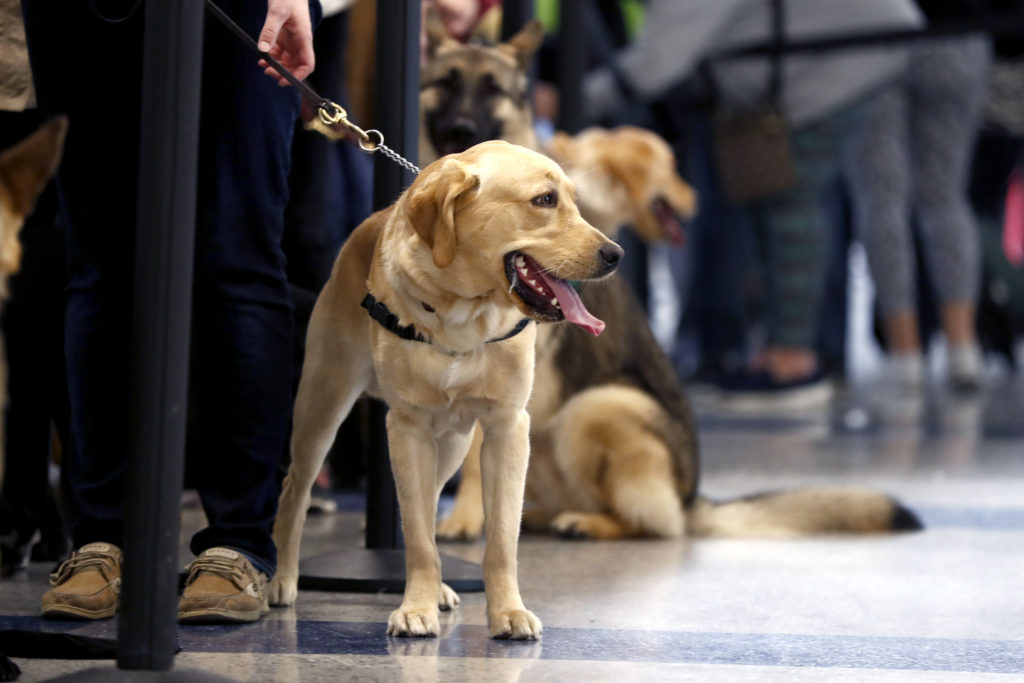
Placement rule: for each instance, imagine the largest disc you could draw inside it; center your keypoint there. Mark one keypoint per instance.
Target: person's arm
(288, 36)
(676, 34)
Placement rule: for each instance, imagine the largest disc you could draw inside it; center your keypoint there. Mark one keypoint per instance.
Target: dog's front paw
(413, 622)
(458, 527)
(282, 591)
(517, 624)
(448, 598)
(573, 526)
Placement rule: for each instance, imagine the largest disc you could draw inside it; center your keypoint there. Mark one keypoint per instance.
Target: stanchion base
(362, 570)
(111, 674)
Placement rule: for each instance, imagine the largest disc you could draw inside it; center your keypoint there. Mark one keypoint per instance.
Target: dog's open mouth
(549, 298)
(671, 225)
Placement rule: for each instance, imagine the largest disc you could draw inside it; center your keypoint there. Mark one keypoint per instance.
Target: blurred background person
(912, 159)
(821, 98)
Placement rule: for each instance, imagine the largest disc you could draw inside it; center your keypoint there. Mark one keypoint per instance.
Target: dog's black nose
(611, 256)
(464, 129)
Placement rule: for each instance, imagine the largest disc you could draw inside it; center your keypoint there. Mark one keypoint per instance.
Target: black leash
(330, 113)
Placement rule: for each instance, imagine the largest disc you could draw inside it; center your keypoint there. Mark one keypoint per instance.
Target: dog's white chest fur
(462, 374)
(452, 389)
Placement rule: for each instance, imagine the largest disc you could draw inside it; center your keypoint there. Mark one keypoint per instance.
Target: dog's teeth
(533, 283)
(554, 302)
(520, 262)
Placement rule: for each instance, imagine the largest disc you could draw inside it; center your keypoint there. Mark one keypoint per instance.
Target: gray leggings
(912, 158)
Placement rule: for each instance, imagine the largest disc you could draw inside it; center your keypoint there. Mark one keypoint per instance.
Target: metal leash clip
(332, 112)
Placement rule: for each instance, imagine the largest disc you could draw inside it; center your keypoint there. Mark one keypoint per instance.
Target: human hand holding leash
(288, 36)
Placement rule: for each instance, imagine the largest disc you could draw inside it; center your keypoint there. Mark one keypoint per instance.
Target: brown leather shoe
(87, 585)
(222, 587)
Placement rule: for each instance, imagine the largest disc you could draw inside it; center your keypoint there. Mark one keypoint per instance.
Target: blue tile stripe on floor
(582, 644)
(970, 518)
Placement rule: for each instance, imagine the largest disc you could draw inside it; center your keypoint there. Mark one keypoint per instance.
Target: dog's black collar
(383, 315)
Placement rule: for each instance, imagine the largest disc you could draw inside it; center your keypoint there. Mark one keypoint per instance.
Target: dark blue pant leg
(723, 244)
(97, 185)
(242, 312)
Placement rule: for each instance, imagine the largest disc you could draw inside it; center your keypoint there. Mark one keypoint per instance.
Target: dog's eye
(450, 80)
(548, 199)
(488, 86)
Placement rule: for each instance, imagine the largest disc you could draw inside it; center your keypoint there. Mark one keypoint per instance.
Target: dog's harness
(389, 321)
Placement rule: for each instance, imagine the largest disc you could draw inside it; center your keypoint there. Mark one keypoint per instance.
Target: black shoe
(758, 390)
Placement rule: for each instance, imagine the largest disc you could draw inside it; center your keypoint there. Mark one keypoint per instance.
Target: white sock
(907, 368)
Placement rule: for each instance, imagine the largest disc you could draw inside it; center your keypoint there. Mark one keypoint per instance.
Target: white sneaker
(965, 367)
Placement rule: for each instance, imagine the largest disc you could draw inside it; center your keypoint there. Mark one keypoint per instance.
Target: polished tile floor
(945, 604)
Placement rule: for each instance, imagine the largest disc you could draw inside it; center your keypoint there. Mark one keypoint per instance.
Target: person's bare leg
(901, 333)
(787, 364)
(958, 323)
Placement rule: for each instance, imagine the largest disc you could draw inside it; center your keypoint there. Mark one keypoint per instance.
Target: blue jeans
(242, 326)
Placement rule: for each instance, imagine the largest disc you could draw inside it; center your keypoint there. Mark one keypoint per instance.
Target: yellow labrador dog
(429, 308)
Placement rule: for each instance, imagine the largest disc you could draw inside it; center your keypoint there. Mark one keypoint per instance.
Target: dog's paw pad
(282, 591)
(519, 624)
(413, 623)
(448, 598)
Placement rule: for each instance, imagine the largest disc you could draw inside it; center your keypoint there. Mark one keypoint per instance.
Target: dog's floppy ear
(29, 165)
(432, 205)
(436, 32)
(629, 172)
(523, 44)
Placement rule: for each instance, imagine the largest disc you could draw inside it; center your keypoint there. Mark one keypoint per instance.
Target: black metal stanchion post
(147, 629)
(572, 65)
(397, 106)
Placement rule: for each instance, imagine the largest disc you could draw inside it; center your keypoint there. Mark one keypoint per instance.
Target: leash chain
(398, 158)
(330, 113)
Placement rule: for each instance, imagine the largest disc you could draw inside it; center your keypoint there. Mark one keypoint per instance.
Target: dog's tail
(802, 512)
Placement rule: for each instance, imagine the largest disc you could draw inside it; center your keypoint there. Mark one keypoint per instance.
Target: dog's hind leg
(617, 469)
(466, 521)
(328, 389)
(452, 449)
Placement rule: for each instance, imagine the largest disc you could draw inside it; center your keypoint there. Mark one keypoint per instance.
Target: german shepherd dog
(613, 445)
(473, 93)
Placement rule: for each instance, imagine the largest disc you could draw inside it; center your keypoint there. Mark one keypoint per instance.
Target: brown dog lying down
(429, 307)
(25, 169)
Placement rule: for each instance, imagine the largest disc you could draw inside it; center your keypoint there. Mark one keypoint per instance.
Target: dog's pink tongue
(572, 307)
